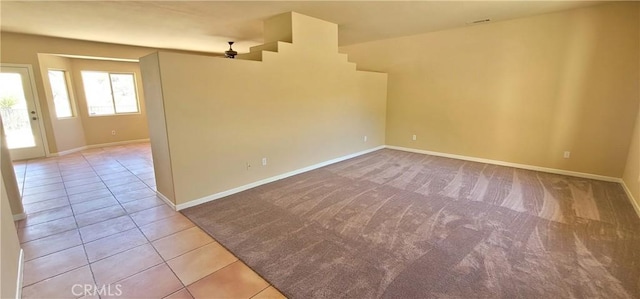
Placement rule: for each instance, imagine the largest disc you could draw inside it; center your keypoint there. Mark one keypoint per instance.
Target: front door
(19, 114)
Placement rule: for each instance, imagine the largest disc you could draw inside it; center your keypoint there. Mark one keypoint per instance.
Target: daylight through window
(60, 91)
(110, 93)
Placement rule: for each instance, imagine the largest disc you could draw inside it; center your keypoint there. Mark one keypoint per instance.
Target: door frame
(36, 99)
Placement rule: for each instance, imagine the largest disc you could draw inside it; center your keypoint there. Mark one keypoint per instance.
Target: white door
(19, 113)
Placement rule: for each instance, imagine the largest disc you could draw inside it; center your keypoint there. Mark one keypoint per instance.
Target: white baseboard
(20, 275)
(91, 146)
(634, 203)
(20, 216)
(218, 195)
(117, 143)
(166, 200)
(509, 164)
(67, 152)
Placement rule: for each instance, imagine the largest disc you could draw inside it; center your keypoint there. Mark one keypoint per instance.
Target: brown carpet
(393, 224)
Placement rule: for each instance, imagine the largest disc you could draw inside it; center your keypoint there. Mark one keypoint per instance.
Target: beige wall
(9, 249)
(81, 130)
(158, 126)
(301, 106)
(24, 49)
(9, 244)
(520, 91)
(97, 129)
(10, 183)
(631, 176)
(69, 132)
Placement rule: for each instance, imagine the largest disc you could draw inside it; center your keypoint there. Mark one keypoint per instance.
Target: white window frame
(113, 100)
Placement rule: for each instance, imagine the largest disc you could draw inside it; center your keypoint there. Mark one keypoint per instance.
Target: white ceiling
(207, 25)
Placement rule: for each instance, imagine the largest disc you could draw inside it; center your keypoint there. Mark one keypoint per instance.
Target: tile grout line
(39, 238)
(81, 244)
(47, 209)
(106, 257)
(82, 240)
(57, 165)
(256, 294)
(79, 234)
(237, 260)
(184, 288)
(163, 259)
(137, 227)
(149, 241)
(22, 199)
(190, 250)
(77, 228)
(61, 273)
(73, 213)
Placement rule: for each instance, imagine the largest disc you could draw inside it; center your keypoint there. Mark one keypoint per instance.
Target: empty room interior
(320, 149)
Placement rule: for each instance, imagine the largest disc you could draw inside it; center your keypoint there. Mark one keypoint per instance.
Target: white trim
(20, 275)
(166, 200)
(20, 216)
(218, 195)
(43, 131)
(634, 203)
(91, 146)
(509, 164)
(68, 152)
(117, 143)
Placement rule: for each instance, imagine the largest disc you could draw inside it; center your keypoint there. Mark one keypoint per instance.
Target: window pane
(14, 112)
(61, 101)
(98, 92)
(124, 93)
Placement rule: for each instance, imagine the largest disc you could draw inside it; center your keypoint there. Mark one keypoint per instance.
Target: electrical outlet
(365, 138)
(264, 161)
(415, 137)
(113, 132)
(567, 154)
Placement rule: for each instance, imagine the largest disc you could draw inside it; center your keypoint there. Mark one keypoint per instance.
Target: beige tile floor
(95, 228)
